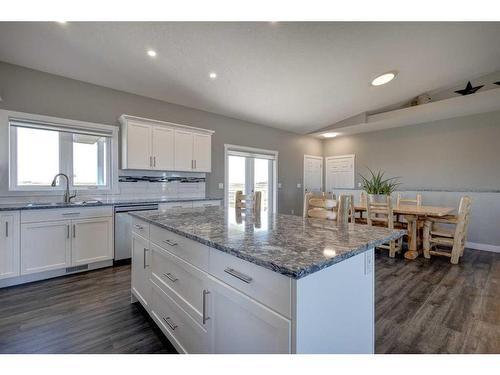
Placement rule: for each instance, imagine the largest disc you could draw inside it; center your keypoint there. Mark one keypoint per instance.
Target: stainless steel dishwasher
(123, 228)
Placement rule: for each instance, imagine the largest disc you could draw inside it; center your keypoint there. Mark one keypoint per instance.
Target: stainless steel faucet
(67, 196)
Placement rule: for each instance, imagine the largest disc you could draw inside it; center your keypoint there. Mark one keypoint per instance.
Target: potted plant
(378, 187)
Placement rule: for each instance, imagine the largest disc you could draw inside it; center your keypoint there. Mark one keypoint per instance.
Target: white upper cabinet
(156, 145)
(163, 148)
(202, 152)
(137, 142)
(9, 244)
(183, 151)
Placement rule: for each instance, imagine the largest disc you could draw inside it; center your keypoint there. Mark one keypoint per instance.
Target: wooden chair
(402, 223)
(440, 232)
(248, 201)
(319, 206)
(407, 201)
(381, 214)
(362, 203)
(345, 211)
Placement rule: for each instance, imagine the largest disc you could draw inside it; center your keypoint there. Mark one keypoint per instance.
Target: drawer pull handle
(171, 325)
(137, 226)
(145, 265)
(171, 277)
(204, 309)
(238, 275)
(6, 229)
(70, 213)
(171, 243)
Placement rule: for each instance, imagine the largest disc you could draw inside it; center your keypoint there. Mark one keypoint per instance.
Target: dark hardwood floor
(422, 306)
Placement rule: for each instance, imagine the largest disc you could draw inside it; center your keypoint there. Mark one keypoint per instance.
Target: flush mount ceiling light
(151, 53)
(384, 78)
(213, 75)
(61, 22)
(329, 135)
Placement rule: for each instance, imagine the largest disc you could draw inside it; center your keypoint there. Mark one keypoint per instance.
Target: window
(40, 150)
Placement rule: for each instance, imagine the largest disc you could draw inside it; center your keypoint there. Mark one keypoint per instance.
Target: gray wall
(455, 154)
(32, 91)
(443, 160)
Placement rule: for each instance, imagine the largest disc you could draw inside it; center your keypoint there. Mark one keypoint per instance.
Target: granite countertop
(287, 244)
(94, 203)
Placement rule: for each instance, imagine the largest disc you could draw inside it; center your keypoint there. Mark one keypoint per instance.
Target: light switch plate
(279, 185)
(221, 185)
(299, 186)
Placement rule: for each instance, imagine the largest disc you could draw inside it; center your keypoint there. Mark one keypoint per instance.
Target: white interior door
(183, 147)
(139, 153)
(313, 174)
(163, 148)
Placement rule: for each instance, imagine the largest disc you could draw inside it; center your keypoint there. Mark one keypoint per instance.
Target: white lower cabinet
(92, 240)
(141, 286)
(9, 244)
(59, 238)
(242, 325)
(45, 246)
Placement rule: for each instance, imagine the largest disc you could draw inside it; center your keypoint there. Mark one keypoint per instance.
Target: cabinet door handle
(67, 231)
(238, 275)
(204, 308)
(171, 325)
(154, 161)
(195, 164)
(137, 226)
(150, 161)
(70, 213)
(144, 261)
(6, 229)
(74, 230)
(171, 277)
(171, 243)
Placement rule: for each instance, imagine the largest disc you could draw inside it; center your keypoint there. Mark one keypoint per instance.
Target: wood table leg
(412, 252)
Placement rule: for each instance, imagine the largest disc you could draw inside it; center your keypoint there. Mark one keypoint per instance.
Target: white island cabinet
(207, 301)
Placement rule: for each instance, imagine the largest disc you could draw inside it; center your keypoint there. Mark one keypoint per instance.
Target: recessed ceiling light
(329, 135)
(384, 78)
(213, 75)
(151, 53)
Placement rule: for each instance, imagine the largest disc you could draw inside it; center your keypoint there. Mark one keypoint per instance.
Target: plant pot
(378, 198)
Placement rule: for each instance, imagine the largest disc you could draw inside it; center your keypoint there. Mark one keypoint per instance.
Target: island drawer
(191, 251)
(177, 324)
(180, 280)
(54, 214)
(140, 227)
(269, 288)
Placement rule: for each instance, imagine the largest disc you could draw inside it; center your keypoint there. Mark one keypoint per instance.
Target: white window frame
(66, 156)
(248, 151)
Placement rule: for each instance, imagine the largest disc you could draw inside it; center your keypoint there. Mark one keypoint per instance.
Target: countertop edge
(269, 265)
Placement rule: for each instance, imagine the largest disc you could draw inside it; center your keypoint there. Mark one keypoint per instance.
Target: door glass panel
(236, 177)
(261, 181)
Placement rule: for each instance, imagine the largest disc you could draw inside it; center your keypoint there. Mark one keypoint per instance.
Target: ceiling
(294, 76)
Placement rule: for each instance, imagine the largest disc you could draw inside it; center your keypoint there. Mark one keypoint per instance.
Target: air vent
(77, 268)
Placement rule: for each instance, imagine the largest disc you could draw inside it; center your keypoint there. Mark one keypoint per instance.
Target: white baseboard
(483, 246)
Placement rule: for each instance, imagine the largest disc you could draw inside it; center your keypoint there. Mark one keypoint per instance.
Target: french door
(250, 172)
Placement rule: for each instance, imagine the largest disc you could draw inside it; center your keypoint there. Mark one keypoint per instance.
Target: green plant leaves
(376, 184)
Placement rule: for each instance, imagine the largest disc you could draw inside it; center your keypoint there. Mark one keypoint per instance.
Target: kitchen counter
(104, 202)
(286, 244)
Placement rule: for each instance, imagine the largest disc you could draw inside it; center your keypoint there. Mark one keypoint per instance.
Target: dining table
(414, 215)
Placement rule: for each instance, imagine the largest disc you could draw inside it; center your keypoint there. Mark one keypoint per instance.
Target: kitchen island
(219, 280)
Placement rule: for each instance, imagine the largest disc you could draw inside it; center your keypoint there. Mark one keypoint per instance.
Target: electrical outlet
(299, 186)
(359, 184)
(292, 212)
(221, 185)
